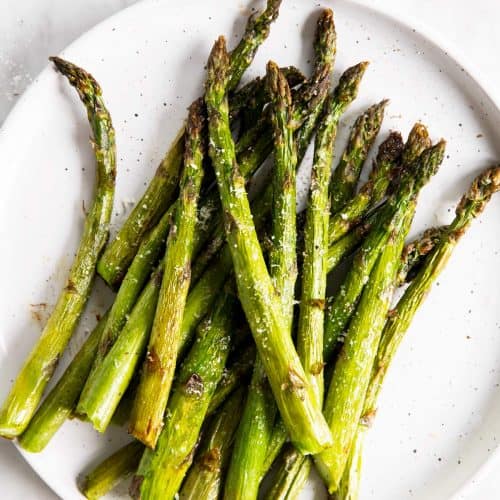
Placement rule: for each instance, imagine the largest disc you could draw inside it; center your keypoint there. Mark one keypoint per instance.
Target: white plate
(439, 410)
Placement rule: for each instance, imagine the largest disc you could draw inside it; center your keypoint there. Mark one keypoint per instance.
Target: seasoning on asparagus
(158, 369)
(398, 322)
(205, 477)
(159, 194)
(27, 390)
(112, 471)
(346, 175)
(256, 291)
(162, 470)
(344, 401)
(61, 401)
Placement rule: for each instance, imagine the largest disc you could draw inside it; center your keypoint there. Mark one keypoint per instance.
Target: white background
(31, 30)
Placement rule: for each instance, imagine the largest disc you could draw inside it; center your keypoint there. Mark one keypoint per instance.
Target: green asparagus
(110, 472)
(256, 291)
(61, 400)
(27, 390)
(346, 175)
(158, 369)
(371, 192)
(341, 308)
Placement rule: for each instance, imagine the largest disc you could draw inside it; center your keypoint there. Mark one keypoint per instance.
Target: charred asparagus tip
(482, 188)
(77, 76)
(390, 149)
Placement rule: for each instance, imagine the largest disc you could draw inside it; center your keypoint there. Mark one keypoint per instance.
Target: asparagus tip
(390, 150)
(348, 86)
(483, 187)
(78, 77)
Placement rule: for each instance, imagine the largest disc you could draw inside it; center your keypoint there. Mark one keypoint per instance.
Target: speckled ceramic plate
(439, 412)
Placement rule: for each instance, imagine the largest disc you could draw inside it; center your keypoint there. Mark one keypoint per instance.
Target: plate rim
(431, 36)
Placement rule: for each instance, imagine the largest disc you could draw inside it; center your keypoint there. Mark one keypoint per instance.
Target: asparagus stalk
(250, 99)
(350, 379)
(205, 477)
(27, 390)
(259, 414)
(471, 206)
(342, 306)
(162, 470)
(61, 400)
(256, 291)
(346, 175)
(371, 192)
(158, 368)
(110, 472)
(159, 194)
(310, 326)
(282, 255)
(351, 372)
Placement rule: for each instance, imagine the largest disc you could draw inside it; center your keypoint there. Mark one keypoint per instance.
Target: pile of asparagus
(222, 349)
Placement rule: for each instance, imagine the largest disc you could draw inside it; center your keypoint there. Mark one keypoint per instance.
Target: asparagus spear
(158, 369)
(159, 194)
(112, 471)
(205, 477)
(341, 308)
(472, 205)
(61, 400)
(249, 100)
(371, 192)
(162, 470)
(258, 297)
(351, 374)
(259, 414)
(26, 392)
(346, 174)
(310, 326)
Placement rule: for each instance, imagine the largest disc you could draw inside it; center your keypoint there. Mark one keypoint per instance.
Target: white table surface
(31, 30)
